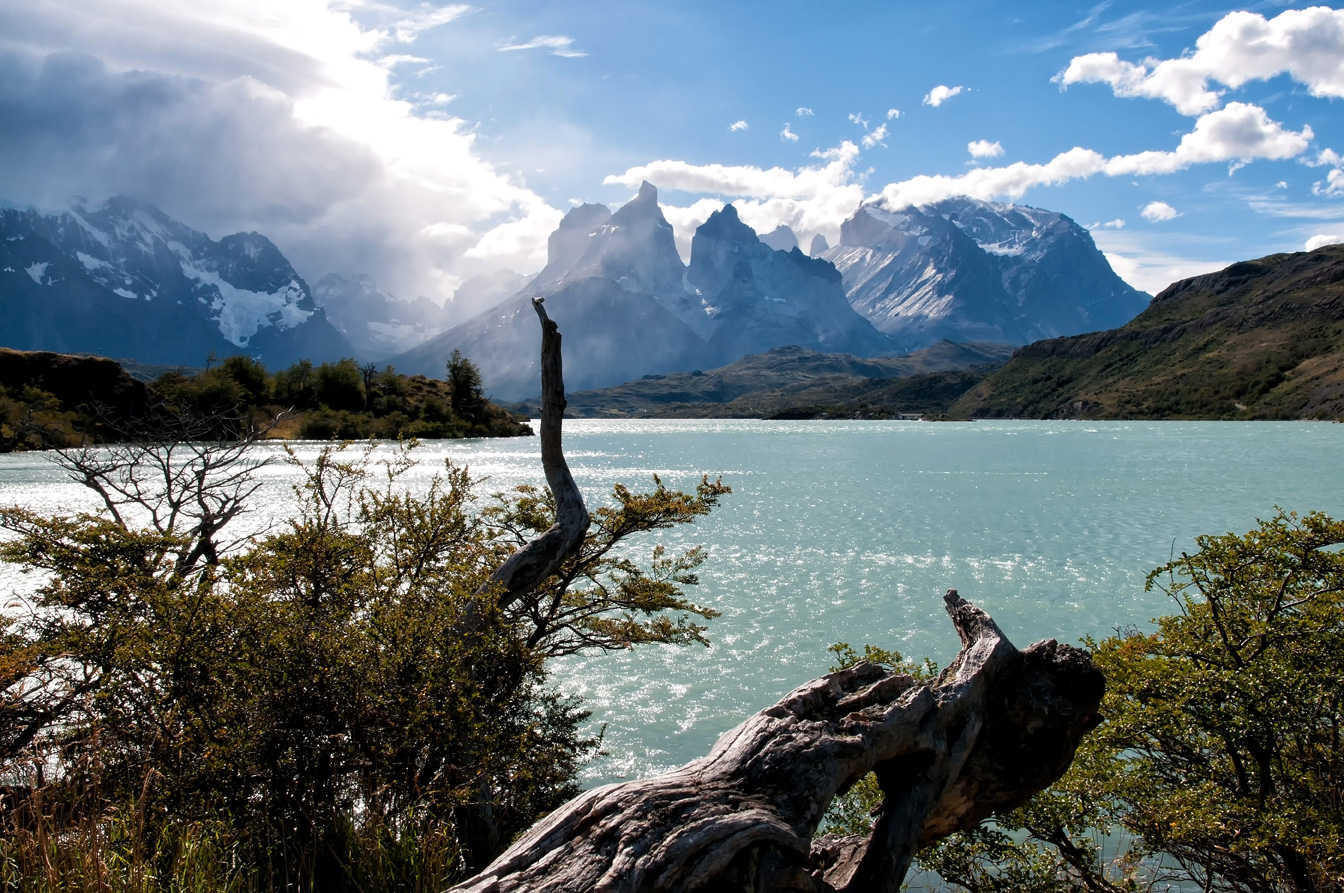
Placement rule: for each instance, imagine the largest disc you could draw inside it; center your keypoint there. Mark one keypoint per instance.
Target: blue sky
(427, 142)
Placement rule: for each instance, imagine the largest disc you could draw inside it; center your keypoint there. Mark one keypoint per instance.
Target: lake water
(851, 531)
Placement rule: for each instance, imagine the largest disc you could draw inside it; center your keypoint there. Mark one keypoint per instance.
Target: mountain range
(126, 280)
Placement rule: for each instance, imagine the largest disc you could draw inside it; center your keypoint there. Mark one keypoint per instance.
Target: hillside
(51, 401)
(794, 381)
(1261, 339)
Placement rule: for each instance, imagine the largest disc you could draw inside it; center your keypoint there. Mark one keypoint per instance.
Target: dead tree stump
(995, 727)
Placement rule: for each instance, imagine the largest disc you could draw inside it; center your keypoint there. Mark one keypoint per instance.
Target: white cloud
(810, 199)
(276, 117)
(1117, 223)
(558, 44)
(984, 149)
(426, 17)
(1010, 181)
(803, 112)
(941, 94)
(1307, 45)
(1238, 132)
(1322, 240)
(1157, 212)
(892, 114)
(857, 118)
(1333, 185)
(1334, 180)
(875, 138)
(738, 125)
(788, 134)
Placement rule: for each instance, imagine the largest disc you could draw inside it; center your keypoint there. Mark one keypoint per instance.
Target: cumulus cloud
(1333, 184)
(788, 134)
(984, 149)
(1117, 223)
(738, 125)
(875, 138)
(803, 112)
(250, 115)
(1239, 132)
(892, 114)
(558, 44)
(810, 199)
(1306, 44)
(1322, 240)
(941, 94)
(857, 118)
(1157, 212)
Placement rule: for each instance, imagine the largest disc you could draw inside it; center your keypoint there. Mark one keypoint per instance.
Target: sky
(425, 142)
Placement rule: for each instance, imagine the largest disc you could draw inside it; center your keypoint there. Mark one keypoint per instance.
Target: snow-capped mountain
(629, 307)
(126, 280)
(969, 270)
(376, 323)
(756, 297)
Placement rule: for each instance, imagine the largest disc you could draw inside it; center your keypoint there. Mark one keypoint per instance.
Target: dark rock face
(126, 280)
(757, 298)
(968, 270)
(615, 283)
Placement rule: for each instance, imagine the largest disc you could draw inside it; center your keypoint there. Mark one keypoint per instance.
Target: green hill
(797, 382)
(1262, 339)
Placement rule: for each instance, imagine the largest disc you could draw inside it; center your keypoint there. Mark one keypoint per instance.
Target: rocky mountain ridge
(970, 270)
(124, 279)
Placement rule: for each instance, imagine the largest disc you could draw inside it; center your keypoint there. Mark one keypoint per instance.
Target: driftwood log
(995, 727)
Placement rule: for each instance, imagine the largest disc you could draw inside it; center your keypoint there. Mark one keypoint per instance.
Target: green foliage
(32, 419)
(601, 598)
(1225, 723)
(1219, 764)
(464, 383)
(335, 401)
(307, 698)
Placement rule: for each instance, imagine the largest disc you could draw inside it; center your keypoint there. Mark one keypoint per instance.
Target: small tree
(1221, 761)
(464, 378)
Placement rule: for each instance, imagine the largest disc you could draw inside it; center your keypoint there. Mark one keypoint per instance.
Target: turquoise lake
(851, 531)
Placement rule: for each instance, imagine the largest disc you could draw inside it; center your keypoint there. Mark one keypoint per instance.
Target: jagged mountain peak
(725, 225)
(968, 269)
(781, 238)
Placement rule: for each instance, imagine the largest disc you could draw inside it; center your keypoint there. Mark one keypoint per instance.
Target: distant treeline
(53, 400)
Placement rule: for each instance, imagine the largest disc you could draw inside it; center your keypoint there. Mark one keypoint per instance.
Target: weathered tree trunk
(528, 567)
(995, 727)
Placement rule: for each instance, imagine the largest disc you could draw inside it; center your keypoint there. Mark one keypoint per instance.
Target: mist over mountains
(126, 280)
